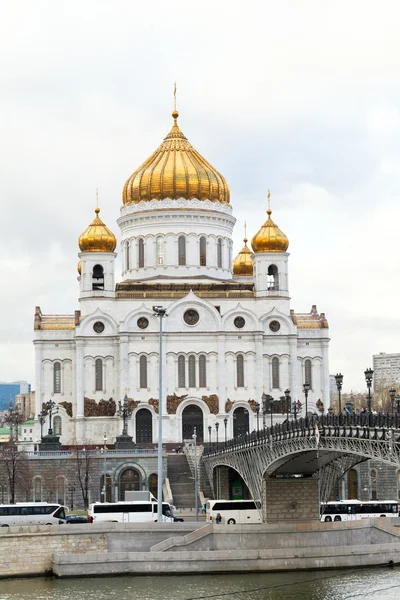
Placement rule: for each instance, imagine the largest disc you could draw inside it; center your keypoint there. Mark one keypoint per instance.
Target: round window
(142, 323)
(274, 326)
(239, 322)
(98, 327)
(191, 317)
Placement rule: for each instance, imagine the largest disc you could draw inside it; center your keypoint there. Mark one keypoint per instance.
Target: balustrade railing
(363, 426)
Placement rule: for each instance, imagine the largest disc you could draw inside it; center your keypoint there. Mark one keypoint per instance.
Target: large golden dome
(175, 170)
(243, 265)
(270, 238)
(97, 237)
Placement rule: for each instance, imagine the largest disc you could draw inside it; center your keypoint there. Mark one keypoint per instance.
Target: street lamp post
(392, 394)
(160, 312)
(339, 384)
(264, 406)
(105, 468)
(196, 482)
(271, 409)
(225, 425)
(306, 389)
(50, 407)
(368, 378)
(216, 429)
(258, 414)
(71, 490)
(41, 418)
(287, 396)
(209, 434)
(295, 408)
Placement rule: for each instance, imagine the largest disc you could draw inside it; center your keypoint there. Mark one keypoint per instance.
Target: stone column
(221, 373)
(325, 381)
(38, 378)
(80, 378)
(123, 367)
(293, 368)
(259, 377)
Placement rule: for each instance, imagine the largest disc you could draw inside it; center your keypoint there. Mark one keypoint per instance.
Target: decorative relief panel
(252, 404)
(173, 401)
(228, 405)
(104, 408)
(67, 406)
(154, 403)
(212, 403)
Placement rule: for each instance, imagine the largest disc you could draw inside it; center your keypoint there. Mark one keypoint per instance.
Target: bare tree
(15, 464)
(50, 482)
(84, 464)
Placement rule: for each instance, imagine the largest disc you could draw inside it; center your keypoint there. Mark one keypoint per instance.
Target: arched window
(60, 490)
(219, 253)
(373, 485)
(141, 253)
(272, 278)
(307, 372)
(230, 257)
(203, 251)
(182, 250)
(98, 278)
(143, 372)
(192, 371)
(57, 425)
(57, 378)
(37, 489)
(127, 256)
(98, 367)
(202, 372)
(181, 372)
(160, 250)
(275, 373)
(240, 371)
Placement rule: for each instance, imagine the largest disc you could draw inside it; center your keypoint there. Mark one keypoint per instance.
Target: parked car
(76, 519)
(178, 520)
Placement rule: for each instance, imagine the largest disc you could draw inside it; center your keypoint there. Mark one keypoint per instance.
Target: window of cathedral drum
(182, 250)
(98, 367)
(272, 278)
(57, 378)
(160, 251)
(143, 371)
(57, 425)
(219, 253)
(98, 278)
(141, 253)
(192, 371)
(307, 372)
(202, 372)
(275, 372)
(203, 251)
(240, 371)
(127, 256)
(181, 372)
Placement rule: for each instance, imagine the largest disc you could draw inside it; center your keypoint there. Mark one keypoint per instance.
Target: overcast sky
(302, 97)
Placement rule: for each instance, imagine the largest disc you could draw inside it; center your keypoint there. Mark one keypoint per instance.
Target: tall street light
(306, 389)
(209, 434)
(339, 383)
(41, 418)
(160, 312)
(105, 469)
(225, 425)
(196, 477)
(287, 397)
(216, 429)
(258, 414)
(368, 378)
(392, 394)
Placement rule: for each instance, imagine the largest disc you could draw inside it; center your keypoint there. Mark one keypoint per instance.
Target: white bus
(129, 512)
(351, 510)
(31, 513)
(233, 511)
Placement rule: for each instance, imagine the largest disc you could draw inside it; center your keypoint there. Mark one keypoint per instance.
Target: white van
(233, 511)
(32, 513)
(129, 512)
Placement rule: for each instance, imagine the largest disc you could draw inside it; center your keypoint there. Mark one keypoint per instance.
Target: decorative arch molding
(190, 353)
(238, 404)
(240, 353)
(94, 357)
(302, 359)
(193, 400)
(129, 465)
(143, 311)
(192, 300)
(275, 355)
(139, 354)
(274, 313)
(55, 360)
(240, 311)
(87, 322)
(145, 405)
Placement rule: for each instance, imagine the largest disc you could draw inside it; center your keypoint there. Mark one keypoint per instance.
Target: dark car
(178, 520)
(76, 519)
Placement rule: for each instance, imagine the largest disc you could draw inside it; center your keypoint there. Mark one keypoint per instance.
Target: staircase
(181, 481)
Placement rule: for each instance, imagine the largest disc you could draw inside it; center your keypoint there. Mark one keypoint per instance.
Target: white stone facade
(268, 348)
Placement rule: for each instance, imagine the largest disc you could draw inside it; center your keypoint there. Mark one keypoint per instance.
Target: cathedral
(229, 334)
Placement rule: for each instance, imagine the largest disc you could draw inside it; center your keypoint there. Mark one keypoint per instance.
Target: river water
(368, 584)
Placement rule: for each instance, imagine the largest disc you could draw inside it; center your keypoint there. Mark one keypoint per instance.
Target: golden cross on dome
(245, 229)
(269, 200)
(263, 388)
(175, 96)
(126, 391)
(97, 197)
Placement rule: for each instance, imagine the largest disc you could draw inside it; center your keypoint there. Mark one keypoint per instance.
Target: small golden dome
(175, 170)
(79, 267)
(97, 237)
(243, 265)
(270, 238)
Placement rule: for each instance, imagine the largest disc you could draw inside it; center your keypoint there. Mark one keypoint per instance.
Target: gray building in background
(9, 391)
(386, 369)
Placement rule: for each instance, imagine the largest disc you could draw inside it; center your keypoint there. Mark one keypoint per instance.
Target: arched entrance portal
(144, 426)
(129, 481)
(240, 421)
(192, 416)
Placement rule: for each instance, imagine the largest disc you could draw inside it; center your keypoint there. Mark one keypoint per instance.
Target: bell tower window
(181, 372)
(141, 253)
(143, 371)
(240, 371)
(219, 253)
(275, 373)
(182, 250)
(203, 251)
(307, 372)
(273, 278)
(57, 378)
(98, 366)
(98, 278)
(127, 256)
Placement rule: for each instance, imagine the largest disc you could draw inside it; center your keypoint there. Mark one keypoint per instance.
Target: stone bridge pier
(290, 499)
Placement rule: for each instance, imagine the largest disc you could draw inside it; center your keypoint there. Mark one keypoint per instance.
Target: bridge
(298, 463)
